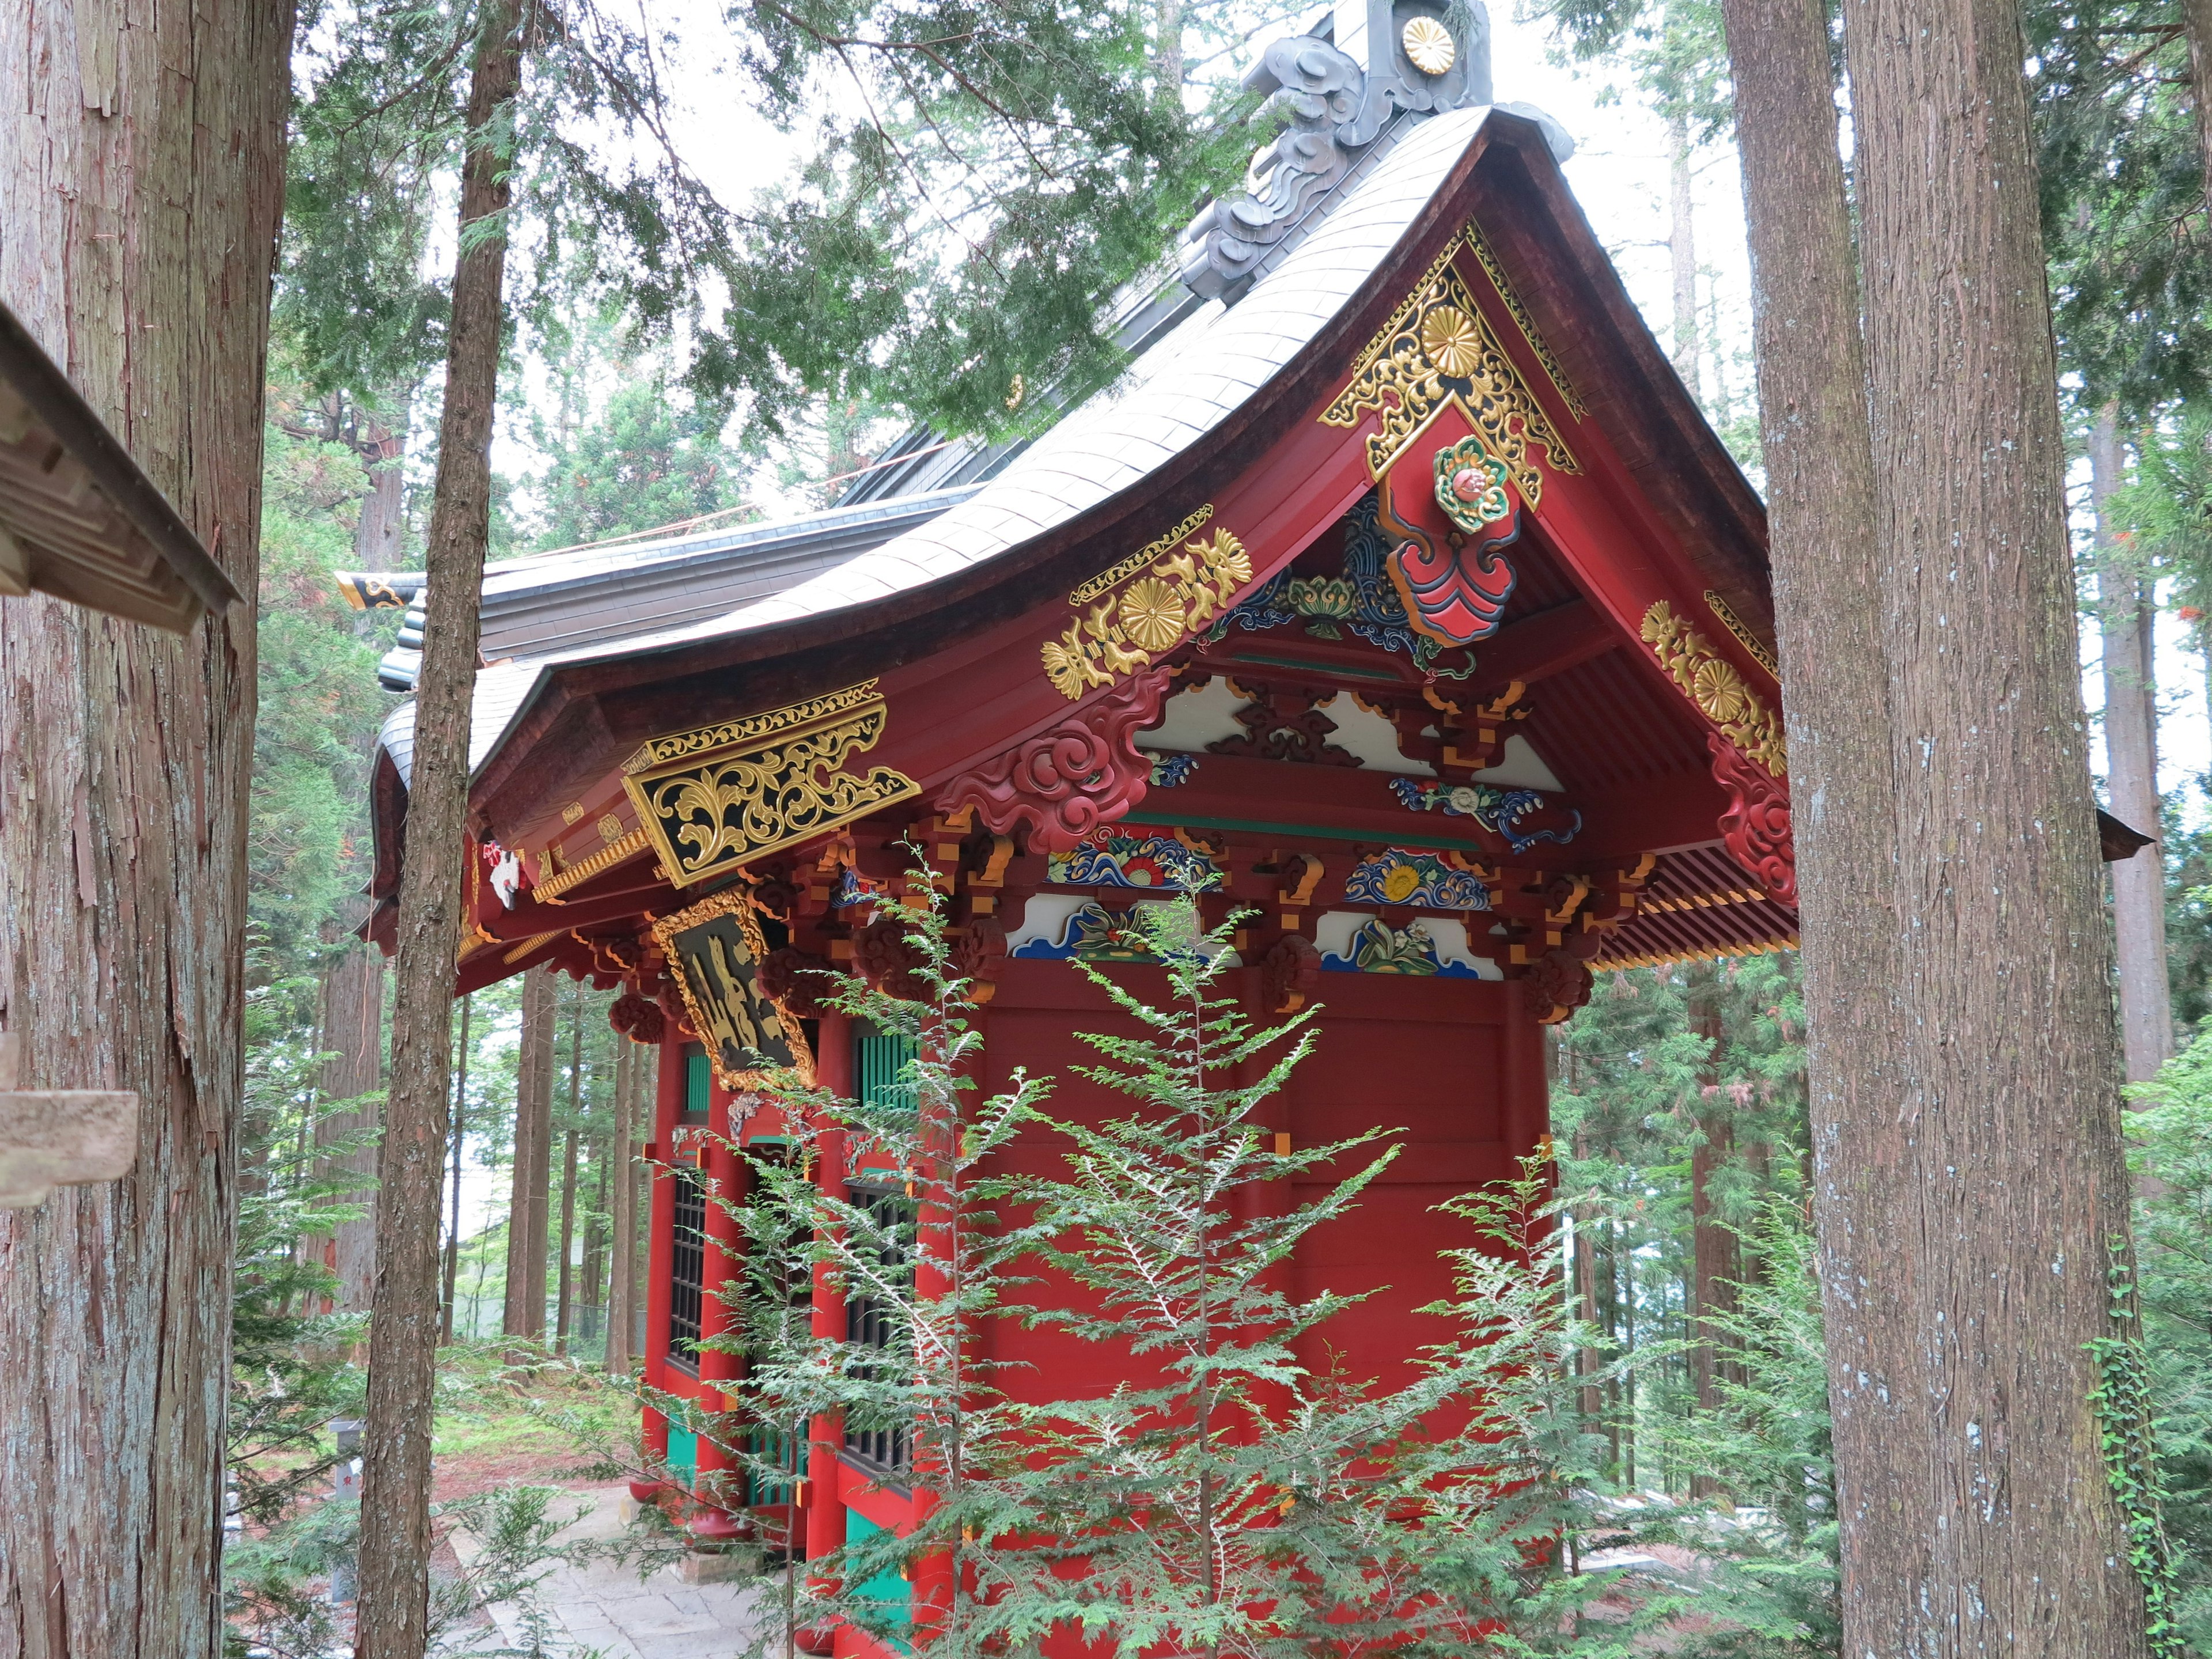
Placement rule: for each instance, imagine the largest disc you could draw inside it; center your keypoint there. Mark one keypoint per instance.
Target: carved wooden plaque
(713, 950)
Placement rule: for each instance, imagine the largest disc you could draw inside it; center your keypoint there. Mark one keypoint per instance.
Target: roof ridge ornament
(1338, 94)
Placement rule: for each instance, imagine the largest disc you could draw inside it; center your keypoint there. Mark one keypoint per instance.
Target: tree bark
(381, 534)
(352, 1021)
(1969, 1244)
(1683, 253)
(622, 1218)
(395, 1511)
(455, 1141)
(2196, 20)
(561, 1308)
(525, 1314)
(1828, 602)
(142, 153)
(1715, 1256)
(2126, 609)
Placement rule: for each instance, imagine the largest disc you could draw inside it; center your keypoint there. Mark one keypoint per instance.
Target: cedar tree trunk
(562, 1300)
(353, 1035)
(142, 163)
(533, 1137)
(1683, 253)
(2197, 17)
(622, 1219)
(380, 533)
(1715, 1253)
(455, 1141)
(1828, 611)
(395, 1507)
(1979, 1208)
(2125, 611)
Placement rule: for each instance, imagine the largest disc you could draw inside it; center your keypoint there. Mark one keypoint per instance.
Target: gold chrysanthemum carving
(1454, 343)
(1429, 45)
(1721, 692)
(1151, 614)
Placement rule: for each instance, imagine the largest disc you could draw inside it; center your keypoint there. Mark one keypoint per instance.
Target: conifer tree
(1232, 1496)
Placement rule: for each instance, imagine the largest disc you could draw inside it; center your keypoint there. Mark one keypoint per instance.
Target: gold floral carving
(1749, 641)
(1487, 257)
(1716, 687)
(1181, 590)
(721, 735)
(786, 780)
(1438, 347)
(549, 890)
(1138, 559)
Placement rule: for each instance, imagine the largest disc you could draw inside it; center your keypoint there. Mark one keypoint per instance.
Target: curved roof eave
(1178, 403)
(1195, 400)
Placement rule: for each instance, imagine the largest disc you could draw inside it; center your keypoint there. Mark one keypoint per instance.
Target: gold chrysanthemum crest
(1144, 608)
(1429, 45)
(1717, 687)
(1438, 347)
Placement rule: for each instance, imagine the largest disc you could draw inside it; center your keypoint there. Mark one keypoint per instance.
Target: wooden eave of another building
(584, 717)
(94, 528)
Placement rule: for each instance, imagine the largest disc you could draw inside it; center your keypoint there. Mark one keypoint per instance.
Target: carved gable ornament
(1437, 350)
(714, 950)
(714, 799)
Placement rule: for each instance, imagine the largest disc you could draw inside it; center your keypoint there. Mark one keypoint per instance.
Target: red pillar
(667, 1107)
(726, 1184)
(825, 1510)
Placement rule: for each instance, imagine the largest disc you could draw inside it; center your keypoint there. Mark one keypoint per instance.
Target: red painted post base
(712, 1526)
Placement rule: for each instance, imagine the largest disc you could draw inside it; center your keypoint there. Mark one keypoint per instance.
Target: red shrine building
(1398, 595)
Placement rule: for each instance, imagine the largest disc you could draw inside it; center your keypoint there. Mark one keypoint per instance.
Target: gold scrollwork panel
(1152, 601)
(713, 811)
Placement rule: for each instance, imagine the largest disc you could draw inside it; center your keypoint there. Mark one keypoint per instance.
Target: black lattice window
(687, 1268)
(870, 1321)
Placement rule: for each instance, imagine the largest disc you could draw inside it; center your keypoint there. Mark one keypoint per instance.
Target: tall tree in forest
(1968, 1183)
(622, 1212)
(567, 1238)
(395, 1517)
(456, 1138)
(2127, 606)
(134, 245)
(525, 1314)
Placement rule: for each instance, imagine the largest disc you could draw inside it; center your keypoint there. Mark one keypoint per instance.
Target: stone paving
(603, 1608)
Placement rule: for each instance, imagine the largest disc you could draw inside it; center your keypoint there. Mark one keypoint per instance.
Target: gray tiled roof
(1186, 384)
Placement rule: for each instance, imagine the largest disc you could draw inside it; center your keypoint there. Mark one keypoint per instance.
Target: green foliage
(306, 837)
(1639, 1090)
(2123, 1404)
(1674, 49)
(289, 1372)
(1227, 1496)
(1768, 1549)
(276, 1609)
(649, 458)
(2126, 226)
(980, 184)
(2173, 1144)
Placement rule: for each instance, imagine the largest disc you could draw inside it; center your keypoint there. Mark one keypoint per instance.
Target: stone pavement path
(603, 1608)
